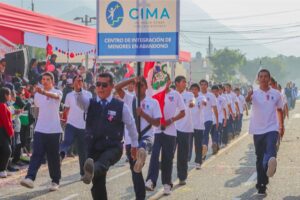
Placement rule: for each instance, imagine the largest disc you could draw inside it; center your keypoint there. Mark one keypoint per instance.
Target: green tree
(226, 63)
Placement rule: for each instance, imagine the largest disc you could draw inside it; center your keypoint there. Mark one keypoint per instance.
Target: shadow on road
(247, 162)
(291, 198)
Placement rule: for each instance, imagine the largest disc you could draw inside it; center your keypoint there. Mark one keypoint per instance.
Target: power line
(241, 17)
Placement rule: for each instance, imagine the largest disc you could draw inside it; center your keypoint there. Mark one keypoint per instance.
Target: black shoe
(12, 169)
(261, 190)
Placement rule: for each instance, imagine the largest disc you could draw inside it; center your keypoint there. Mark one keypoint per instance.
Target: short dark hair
(214, 87)
(264, 70)
(107, 75)
(49, 74)
(4, 91)
(221, 87)
(53, 56)
(178, 79)
(237, 89)
(195, 85)
(143, 80)
(203, 81)
(273, 80)
(2, 60)
(77, 76)
(227, 84)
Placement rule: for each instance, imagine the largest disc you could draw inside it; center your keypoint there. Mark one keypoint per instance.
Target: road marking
(251, 179)
(117, 176)
(160, 193)
(70, 196)
(296, 116)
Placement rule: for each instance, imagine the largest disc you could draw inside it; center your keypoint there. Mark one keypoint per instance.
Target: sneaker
(27, 182)
(198, 166)
(3, 174)
(204, 151)
(88, 171)
(141, 158)
(12, 168)
(54, 187)
(149, 185)
(272, 165)
(182, 182)
(214, 148)
(167, 189)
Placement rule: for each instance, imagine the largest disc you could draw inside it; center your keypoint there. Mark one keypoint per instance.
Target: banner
(138, 30)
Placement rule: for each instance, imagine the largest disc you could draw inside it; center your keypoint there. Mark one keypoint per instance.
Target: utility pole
(86, 20)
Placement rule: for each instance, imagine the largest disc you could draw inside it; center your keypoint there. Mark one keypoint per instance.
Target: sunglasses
(102, 84)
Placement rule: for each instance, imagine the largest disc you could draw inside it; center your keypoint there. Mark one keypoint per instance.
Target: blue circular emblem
(114, 14)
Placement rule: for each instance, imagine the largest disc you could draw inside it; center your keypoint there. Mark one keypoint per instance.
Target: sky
(280, 17)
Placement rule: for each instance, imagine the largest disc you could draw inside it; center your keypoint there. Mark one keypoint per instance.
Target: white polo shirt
(241, 103)
(263, 118)
(197, 113)
(221, 104)
(173, 104)
(128, 99)
(150, 106)
(76, 114)
(186, 124)
(233, 100)
(208, 109)
(48, 120)
(227, 100)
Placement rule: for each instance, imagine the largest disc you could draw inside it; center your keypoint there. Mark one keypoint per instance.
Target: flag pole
(138, 96)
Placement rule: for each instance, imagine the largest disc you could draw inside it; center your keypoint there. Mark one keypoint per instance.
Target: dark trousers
(166, 144)
(239, 124)
(103, 160)
(75, 134)
(215, 133)
(5, 150)
(45, 144)
(182, 141)
(198, 137)
(224, 133)
(137, 178)
(230, 126)
(265, 148)
(25, 137)
(208, 127)
(16, 148)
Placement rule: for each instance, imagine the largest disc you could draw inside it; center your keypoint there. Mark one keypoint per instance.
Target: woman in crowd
(6, 131)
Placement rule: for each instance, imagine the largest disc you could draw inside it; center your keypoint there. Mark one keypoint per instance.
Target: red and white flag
(156, 75)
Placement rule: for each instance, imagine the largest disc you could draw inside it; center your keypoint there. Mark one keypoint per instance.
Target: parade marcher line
(160, 194)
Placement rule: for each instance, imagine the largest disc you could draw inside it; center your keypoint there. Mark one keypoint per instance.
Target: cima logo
(114, 14)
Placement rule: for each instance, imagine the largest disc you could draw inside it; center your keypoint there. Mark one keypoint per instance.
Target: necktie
(103, 102)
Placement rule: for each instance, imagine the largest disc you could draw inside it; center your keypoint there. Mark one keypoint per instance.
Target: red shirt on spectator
(5, 120)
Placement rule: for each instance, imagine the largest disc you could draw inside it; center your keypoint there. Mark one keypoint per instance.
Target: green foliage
(40, 54)
(226, 63)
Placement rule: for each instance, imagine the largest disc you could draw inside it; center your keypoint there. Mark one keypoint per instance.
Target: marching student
(75, 127)
(265, 128)
(184, 127)
(165, 141)
(234, 110)
(150, 114)
(46, 134)
(198, 123)
(224, 128)
(216, 130)
(105, 120)
(209, 110)
(242, 107)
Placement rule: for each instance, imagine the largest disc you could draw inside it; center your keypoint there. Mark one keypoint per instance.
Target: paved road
(229, 175)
